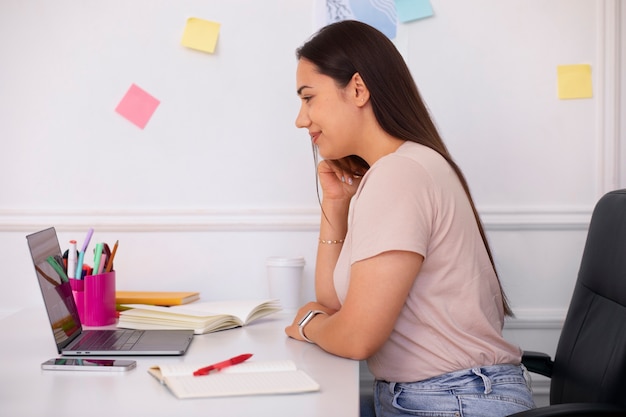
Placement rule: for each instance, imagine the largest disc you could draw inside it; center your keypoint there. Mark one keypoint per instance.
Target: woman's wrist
(336, 203)
(306, 319)
(331, 241)
(335, 216)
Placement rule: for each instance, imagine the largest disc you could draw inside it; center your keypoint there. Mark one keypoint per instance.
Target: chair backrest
(590, 360)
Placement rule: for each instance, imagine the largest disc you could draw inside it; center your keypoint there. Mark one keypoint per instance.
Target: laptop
(69, 335)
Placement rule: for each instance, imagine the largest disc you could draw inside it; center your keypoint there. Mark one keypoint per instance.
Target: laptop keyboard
(108, 340)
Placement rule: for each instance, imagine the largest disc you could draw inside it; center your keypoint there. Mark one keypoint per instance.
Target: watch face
(304, 319)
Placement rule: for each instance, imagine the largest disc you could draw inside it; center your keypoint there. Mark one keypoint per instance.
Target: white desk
(26, 390)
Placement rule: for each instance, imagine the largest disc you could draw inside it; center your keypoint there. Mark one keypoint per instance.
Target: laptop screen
(55, 289)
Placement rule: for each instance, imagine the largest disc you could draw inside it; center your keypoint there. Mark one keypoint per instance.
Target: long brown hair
(342, 49)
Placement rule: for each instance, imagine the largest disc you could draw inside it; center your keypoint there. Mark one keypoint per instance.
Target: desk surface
(26, 342)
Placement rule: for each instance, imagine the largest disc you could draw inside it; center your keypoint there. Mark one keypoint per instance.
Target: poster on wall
(378, 13)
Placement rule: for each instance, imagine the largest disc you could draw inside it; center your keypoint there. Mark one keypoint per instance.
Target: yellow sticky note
(574, 81)
(201, 34)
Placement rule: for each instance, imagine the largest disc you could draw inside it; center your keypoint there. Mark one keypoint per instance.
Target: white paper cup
(284, 277)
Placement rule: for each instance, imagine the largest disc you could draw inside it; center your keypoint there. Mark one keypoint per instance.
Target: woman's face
(327, 111)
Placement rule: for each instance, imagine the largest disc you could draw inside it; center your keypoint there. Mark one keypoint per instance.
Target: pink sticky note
(137, 106)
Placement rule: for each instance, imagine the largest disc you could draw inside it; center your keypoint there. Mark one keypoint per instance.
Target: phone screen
(89, 364)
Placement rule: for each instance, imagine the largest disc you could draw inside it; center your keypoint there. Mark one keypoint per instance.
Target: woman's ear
(361, 94)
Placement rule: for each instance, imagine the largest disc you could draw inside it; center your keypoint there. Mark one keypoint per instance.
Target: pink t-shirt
(412, 200)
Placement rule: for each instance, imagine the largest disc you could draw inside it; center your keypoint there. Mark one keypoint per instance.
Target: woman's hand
(339, 183)
(292, 330)
(339, 179)
(378, 290)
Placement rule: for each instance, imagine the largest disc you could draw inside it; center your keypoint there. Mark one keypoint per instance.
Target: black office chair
(588, 374)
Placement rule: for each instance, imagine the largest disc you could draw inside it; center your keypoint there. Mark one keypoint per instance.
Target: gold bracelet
(331, 242)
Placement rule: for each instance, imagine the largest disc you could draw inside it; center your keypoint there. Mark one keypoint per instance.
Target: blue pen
(79, 265)
(81, 255)
(96, 260)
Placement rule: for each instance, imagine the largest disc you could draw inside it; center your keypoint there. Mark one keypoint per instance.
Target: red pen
(221, 365)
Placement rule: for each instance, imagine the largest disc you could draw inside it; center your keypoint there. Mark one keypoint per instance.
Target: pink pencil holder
(99, 296)
(78, 291)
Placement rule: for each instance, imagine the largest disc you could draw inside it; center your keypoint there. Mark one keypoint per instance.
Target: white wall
(220, 178)
(220, 155)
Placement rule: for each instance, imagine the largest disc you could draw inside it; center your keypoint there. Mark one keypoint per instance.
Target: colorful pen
(110, 261)
(72, 261)
(81, 255)
(87, 239)
(79, 265)
(97, 257)
(103, 261)
(221, 365)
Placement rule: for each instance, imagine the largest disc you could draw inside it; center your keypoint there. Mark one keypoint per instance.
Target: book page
(201, 317)
(198, 311)
(244, 310)
(131, 323)
(233, 384)
(262, 366)
(155, 317)
(265, 309)
(181, 369)
(240, 309)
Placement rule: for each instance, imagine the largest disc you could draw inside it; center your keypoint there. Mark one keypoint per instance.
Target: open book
(249, 378)
(201, 317)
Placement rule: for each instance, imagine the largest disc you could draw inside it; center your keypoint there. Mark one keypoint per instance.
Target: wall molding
(260, 219)
(536, 319)
(608, 80)
(162, 220)
(536, 218)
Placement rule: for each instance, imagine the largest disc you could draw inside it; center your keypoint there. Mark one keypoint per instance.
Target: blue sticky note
(413, 9)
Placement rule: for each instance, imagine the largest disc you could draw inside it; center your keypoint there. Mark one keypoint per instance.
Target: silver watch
(307, 318)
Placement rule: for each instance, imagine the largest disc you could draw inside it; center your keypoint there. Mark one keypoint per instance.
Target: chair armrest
(538, 363)
(575, 409)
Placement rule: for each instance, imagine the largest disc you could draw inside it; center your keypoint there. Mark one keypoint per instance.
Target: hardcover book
(157, 298)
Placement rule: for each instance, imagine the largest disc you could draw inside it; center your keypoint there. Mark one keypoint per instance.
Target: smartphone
(102, 365)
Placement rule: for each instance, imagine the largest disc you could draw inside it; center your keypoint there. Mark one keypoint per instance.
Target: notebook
(69, 335)
(250, 378)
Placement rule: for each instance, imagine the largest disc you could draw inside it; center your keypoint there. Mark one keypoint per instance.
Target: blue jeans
(489, 391)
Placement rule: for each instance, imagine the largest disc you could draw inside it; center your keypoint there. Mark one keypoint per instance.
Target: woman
(404, 275)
